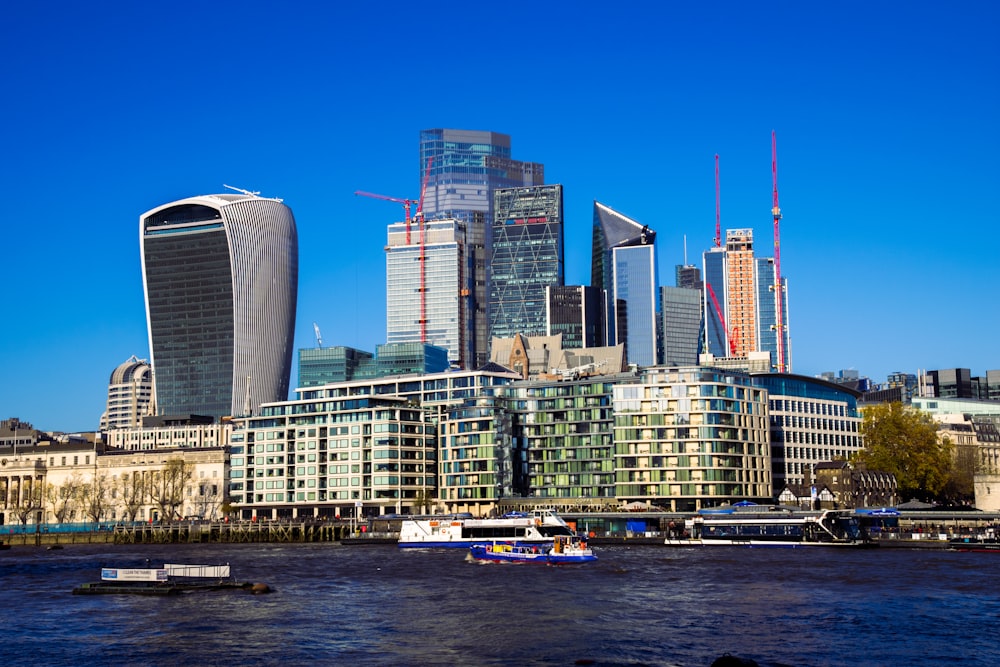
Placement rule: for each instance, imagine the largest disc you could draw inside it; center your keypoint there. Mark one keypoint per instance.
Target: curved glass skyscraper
(220, 276)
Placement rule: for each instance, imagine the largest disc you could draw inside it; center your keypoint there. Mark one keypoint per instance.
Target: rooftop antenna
(685, 250)
(242, 191)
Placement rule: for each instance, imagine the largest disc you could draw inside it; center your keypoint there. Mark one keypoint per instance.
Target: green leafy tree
(904, 441)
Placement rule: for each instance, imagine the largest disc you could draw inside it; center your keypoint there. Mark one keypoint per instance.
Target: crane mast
(423, 253)
(718, 217)
(779, 287)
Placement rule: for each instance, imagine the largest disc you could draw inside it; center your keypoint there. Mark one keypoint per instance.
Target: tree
(64, 498)
(422, 498)
(904, 441)
(133, 489)
(167, 487)
(28, 499)
(95, 497)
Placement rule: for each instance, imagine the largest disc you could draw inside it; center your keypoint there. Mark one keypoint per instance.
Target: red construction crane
(405, 202)
(718, 219)
(423, 255)
(779, 288)
(722, 320)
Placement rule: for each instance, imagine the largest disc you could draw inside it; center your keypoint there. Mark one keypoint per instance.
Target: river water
(379, 605)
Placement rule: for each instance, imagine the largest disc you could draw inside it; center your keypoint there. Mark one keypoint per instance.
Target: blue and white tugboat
(564, 550)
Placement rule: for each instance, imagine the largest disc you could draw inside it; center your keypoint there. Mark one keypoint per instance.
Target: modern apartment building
(527, 257)
(691, 437)
(466, 166)
(566, 438)
(427, 298)
(220, 277)
(624, 265)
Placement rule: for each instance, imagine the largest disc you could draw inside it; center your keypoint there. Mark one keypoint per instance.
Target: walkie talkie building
(220, 276)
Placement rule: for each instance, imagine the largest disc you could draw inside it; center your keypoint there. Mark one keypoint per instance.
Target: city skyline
(885, 130)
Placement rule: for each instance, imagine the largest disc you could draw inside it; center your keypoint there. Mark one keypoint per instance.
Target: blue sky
(886, 117)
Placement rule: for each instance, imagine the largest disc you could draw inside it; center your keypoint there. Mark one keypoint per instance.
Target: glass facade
(635, 284)
(466, 167)
(691, 437)
(323, 365)
(425, 290)
(527, 257)
(566, 438)
(716, 339)
(623, 263)
(220, 275)
(680, 314)
(576, 312)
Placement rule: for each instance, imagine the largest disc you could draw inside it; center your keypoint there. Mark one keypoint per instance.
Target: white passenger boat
(539, 527)
(752, 525)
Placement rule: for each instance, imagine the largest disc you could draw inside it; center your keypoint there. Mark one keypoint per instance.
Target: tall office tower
(623, 263)
(577, 312)
(713, 303)
(130, 392)
(426, 292)
(740, 301)
(680, 322)
(687, 276)
(527, 257)
(466, 167)
(220, 275)
(767, 304)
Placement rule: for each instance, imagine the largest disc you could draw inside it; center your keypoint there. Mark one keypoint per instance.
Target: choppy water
(377, 605)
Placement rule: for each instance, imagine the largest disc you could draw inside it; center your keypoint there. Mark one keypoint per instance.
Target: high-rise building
(426, 292)
(577, 312)
(740, 301)
(130, 391)
(688, 276)
(220, 275)
(526, 258)
(680, 324)
(624, 264)
(466, 166)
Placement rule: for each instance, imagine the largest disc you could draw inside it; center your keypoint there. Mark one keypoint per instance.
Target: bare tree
(64, 498)
(133, 491)
(28, 499)
(96, 497)
(207, 499)
(167, 487)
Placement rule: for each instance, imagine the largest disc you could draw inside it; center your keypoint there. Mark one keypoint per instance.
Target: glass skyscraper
(577, 312)
(680, 317)
(624, 265)
(220, 276)
(426, 293)
(740, 288)
(466, 167)
(527, 257)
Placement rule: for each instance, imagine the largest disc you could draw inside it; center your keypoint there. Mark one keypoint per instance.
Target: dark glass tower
(527, 257)
(220, 275)
(466, 167)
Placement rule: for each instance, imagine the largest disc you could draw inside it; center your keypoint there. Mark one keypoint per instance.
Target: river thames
(639, 605)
